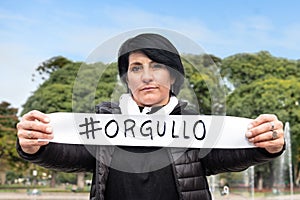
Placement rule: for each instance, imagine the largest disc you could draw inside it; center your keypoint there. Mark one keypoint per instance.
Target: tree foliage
(273, 95)
(265, 84)
(9, 158)
(47, 67)
(78, 87)
(245, 68)
(74, 86)
(202, 73)
(255, 83)
(71, 87)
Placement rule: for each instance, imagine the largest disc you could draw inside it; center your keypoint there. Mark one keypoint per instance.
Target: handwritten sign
(189, 131)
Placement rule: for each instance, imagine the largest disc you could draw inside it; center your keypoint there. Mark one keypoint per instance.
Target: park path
(239, 197)
(85, 196)
(44, 196)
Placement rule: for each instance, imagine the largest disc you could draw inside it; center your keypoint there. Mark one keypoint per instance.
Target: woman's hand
(33, 126)
(266, 131)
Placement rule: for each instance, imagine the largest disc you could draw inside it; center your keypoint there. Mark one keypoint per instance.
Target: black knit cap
(157, 48)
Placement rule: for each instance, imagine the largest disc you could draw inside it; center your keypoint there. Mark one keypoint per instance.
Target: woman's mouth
(149, 88)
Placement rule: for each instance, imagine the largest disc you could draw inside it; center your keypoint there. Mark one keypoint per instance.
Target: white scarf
(129, 106)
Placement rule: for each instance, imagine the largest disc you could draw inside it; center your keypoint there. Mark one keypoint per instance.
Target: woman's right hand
(33, 126)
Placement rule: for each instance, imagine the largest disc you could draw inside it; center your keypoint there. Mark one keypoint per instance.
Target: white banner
(189, 131)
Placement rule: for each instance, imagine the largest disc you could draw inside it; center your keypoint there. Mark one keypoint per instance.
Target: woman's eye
(136, 68)
(158, 66)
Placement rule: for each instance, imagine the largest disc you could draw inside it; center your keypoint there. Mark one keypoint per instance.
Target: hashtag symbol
(89, 127)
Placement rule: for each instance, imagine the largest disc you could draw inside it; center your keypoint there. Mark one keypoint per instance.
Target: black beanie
(157, 48)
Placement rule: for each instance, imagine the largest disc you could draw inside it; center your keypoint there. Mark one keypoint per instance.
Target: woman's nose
(147, 75)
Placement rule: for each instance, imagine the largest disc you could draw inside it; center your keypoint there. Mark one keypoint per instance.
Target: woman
(151, 68)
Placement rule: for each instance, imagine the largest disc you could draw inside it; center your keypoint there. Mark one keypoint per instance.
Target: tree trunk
(53, 179)
(80, 180)
(2, 177)
(260, 181)
(272, 173)
(297, 179)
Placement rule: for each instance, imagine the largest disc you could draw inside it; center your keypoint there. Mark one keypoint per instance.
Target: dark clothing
(151, 184)
(189, 167)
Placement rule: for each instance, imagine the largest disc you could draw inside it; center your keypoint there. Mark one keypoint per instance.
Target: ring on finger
(274, 135)
(272, 126)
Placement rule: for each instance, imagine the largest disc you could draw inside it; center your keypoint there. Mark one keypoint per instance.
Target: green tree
(245, 68)
(264, 84)
(271, 95)
(47, 67)
(9, 159)
(74, 87)
(71, 87)
(202, 73)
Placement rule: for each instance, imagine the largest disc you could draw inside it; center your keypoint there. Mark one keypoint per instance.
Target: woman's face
(148, 81)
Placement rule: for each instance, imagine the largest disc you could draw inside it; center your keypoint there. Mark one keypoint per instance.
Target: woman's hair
(157, 48)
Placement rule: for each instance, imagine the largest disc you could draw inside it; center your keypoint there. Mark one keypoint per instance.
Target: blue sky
(33, 31)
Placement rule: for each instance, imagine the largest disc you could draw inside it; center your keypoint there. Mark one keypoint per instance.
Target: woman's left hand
(266, 131)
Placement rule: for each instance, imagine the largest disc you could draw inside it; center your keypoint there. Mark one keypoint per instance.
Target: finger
(272, 146)
(34, 135)
(260, 129)
(263, 119)
(36, 115)
(262, 124)
(29, 143)
(267, 136)
(34, 126)
(265, 144)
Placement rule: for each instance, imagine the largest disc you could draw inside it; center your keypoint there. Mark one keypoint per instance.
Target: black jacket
(190, 166)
